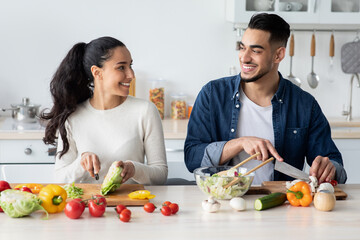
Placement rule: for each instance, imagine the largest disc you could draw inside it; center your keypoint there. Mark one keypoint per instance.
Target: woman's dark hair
(72, 84)
(279, 29)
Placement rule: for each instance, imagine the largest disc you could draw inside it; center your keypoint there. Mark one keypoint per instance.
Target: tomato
(25, 189)
(166, 210)
(97, 205)
(149, 207)
(119, 208)
(74, 209)
(126, 211)
(125, 216)
(333, 182)
(174, 208)
(4, 185)
(166, 203)
(80, 201)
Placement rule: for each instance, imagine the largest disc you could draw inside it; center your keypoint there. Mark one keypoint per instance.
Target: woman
(98, 123)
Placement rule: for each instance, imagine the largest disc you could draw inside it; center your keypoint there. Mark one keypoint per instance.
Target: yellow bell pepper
(141, 194)
(35, 187)
(53, 198)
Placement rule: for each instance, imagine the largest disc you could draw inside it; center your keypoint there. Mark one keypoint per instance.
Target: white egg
(238, 203)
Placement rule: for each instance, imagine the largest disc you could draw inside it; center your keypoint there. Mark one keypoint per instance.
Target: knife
(291, 171)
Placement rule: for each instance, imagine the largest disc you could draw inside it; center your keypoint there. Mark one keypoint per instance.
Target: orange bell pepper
(35, 187)
(299, 194)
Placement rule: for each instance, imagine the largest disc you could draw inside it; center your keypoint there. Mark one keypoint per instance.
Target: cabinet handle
(174, 150)
(27, 151)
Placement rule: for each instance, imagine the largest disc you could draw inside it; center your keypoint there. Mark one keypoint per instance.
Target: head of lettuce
(112, 180)
(17, 203)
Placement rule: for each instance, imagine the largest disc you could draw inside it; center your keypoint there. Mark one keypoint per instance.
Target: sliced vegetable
(35, 187)
(73, 191)
(270, 201)
(299, 194)
(112, 180)
(324, 200)
(53, 198)
(141, 194)
(19, 204)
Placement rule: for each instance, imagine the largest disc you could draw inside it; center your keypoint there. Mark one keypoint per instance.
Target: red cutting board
(280, 186)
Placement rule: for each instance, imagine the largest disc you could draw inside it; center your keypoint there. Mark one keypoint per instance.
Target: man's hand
(250, 145)
(323, 169)
(90, 162)
(128, 170)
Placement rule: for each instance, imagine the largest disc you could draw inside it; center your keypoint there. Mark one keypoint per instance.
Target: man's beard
(253, 79)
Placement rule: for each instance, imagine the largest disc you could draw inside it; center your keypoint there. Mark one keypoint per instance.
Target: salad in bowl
(213, 184)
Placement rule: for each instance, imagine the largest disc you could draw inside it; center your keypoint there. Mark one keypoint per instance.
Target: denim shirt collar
(279, 95)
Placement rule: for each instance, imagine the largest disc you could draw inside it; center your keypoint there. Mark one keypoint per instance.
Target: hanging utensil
(291, 77)
(313, 78)
(331, 55)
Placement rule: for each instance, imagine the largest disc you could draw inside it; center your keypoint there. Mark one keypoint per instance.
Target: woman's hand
(128, 170)
(90, 162)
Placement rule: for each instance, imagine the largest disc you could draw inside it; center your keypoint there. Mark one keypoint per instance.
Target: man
(260, 111)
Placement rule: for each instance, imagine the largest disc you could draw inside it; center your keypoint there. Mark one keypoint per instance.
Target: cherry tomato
(126, 211)
(4, 185)
(25, 189)
(149, 207)
(166, 203)
(333, 182)
(74, 209)
(97, 205)
(125, 216)
(174, 208)
(166, 210)
(119, 208)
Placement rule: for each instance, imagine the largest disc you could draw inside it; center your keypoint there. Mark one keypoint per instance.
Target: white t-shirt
(255, 121)
(127, 132)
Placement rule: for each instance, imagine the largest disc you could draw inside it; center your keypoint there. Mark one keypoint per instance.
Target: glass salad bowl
(214, 185)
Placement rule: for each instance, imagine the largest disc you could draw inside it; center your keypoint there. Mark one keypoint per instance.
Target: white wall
(186, 42)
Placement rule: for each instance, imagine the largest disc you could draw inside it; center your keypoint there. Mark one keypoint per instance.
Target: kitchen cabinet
(175, 159)
(297, 12)
(26, 161)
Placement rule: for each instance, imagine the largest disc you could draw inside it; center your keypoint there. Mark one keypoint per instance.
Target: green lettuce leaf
(112, 180)
(17, 203)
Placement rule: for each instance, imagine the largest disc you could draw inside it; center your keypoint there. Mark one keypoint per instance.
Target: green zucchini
(269, 201)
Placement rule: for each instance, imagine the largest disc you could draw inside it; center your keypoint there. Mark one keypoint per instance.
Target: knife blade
(291, 171)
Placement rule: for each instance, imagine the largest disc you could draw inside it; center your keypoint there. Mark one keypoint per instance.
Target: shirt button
(280, 100)
(232, 130)
(237, 94)
(237, 106)
(295, 132)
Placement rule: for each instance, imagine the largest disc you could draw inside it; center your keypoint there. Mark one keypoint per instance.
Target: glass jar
(178, 106)
(157, 95)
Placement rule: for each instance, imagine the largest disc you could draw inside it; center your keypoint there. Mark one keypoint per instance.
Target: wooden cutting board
(120, 196)
(280, 186)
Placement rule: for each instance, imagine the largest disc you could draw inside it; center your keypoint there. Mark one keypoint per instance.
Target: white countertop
(191, 222)
(177, 129)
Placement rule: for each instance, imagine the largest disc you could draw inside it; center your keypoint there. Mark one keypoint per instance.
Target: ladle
(291, 77)
(313, 78)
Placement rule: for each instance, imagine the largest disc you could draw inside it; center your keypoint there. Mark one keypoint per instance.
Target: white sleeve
(156, 170)
(68, 168)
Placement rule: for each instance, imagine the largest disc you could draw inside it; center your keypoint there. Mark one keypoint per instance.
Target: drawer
(27, 173)
(26, 151)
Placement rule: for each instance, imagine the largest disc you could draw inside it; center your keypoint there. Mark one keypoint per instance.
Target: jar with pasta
(178, 106)
(157, 95)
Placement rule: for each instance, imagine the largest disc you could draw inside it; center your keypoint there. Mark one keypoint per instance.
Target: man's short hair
(278, 28)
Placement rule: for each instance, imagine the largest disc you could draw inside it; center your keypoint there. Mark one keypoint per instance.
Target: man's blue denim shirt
(300, 128)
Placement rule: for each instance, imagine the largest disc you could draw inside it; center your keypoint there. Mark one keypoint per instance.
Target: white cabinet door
(27, 173)
(175, 159)
(350, 151)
